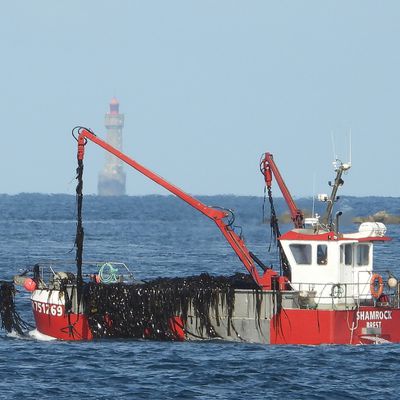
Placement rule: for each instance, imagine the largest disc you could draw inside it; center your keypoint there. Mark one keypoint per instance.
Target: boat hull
(364, 325)
(51, 319)
(256, 318)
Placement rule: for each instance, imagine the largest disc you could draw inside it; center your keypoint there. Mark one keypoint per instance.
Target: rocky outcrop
(380, 216)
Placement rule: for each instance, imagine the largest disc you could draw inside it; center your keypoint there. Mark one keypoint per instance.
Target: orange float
(376, 293)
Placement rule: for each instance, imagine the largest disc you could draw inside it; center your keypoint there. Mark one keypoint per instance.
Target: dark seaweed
(144, 310)
(10, 319)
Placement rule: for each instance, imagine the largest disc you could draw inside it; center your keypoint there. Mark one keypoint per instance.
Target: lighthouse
(112, 177)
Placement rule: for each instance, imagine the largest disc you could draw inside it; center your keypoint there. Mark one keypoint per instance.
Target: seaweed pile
(145, 310)
(10, 319)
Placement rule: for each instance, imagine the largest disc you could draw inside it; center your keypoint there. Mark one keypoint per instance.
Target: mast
(339, 168)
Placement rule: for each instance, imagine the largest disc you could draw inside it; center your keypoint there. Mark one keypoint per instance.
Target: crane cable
(275, 233)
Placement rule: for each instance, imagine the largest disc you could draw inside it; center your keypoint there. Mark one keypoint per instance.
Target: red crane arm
(268, 167)
(216, 215)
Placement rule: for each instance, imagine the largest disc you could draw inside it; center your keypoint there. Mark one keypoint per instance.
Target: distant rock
(380, 216)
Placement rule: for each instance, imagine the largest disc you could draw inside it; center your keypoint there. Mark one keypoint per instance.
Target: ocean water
(161, 236)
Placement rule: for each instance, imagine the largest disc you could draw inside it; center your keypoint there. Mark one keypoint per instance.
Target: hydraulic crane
(249, 260)
(269, 168)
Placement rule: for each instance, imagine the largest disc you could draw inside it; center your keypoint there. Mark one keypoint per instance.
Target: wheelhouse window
(301, 253)
(322, 254)
(346, 254)
(363, 254)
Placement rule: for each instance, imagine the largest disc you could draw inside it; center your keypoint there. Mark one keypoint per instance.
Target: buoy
(376, 280)
(392, 282)
(29, 284)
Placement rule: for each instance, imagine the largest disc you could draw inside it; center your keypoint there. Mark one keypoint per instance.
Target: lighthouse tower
(112, 178)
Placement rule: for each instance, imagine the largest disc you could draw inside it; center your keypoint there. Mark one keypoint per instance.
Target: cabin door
(346, 269)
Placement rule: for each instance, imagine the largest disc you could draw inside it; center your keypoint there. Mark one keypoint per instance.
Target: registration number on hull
(48, 309)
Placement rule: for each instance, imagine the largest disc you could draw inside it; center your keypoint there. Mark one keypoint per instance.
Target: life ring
(337, 291)
(376, 292)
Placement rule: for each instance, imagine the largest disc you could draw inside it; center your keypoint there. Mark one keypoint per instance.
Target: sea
(160, 236)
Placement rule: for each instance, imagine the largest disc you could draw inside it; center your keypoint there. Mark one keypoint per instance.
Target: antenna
(333, 146)
(350, 146)
(313, 197)
(336, 162)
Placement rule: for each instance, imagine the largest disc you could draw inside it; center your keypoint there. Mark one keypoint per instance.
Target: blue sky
(206, 87)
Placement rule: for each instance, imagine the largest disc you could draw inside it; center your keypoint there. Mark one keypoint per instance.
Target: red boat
(326, 292)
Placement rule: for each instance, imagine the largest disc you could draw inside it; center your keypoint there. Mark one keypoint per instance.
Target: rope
(108, 274)
(353, 327)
